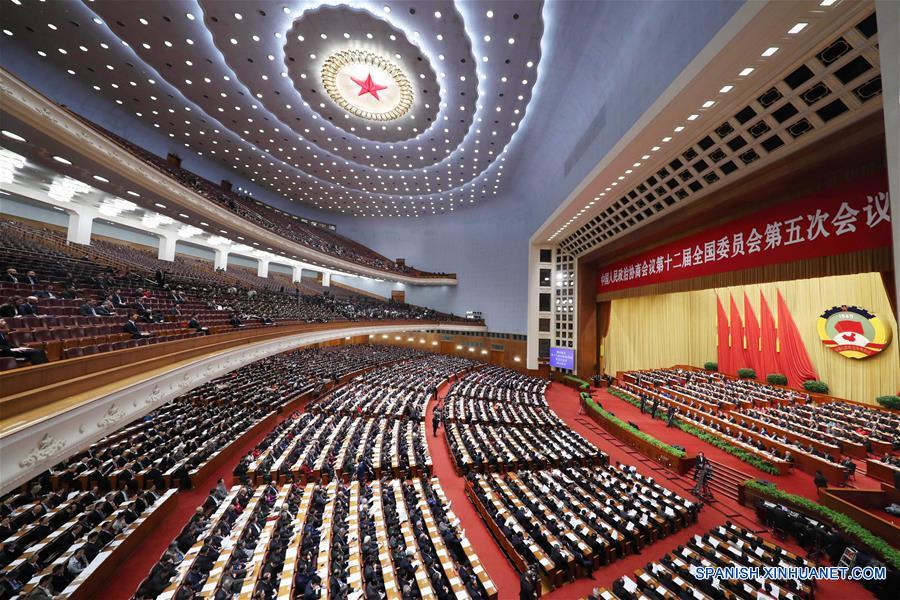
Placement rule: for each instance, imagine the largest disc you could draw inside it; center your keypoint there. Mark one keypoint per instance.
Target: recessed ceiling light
(437, 14)
(827, 2)
(62, 160)
(490, 14)
(693, 117)
(130, 193)
(12, 135)
(726, 88)
(103, 179)
(797, 28)
(746, 71)
(770, 51)
(708, 103)
(679, 128)
(387, 9)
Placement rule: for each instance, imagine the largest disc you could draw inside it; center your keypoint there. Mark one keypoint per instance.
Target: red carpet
(136, 568)
(492, 558)
(796, 482)
(564, 401)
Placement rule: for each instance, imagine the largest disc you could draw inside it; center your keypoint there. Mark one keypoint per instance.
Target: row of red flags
(761, 345)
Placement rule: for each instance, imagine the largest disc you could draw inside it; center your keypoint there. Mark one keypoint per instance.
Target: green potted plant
(776, 379)
(891, 402)
(815, 386)
(746, 373)
(711, 366)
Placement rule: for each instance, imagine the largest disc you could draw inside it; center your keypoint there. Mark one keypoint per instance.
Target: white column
(262, 268)
(888, 13)
(167, 247)
(296, 273)
(81, 220)
(533, 318)
(326, 279)
(221, 261)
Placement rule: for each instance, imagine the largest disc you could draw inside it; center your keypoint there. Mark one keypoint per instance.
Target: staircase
(725, 481)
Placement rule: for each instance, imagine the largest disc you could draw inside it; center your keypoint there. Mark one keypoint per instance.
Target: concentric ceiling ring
(368, 103)
(234, 81)
(327, 47)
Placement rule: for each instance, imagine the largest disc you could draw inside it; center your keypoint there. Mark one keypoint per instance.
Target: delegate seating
(740, 424)
(726, 545)
(73, 538)
(373, 426)
(388, 538)
(174, 444)
(570, 521)
(497, 420)
(57, 314)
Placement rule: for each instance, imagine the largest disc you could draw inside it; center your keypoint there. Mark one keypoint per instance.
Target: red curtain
(794, 357)
(738, 359)
(723, 351)
(751, 330)
(768, 340)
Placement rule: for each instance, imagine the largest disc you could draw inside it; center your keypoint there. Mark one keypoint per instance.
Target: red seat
(73, 352)
(104, 347)
(90, 350)
(7, 363)
(43, 335)
(21, 337)
(120, 345)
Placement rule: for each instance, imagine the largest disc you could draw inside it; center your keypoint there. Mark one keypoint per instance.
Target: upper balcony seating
(319, 238)
(68, 277)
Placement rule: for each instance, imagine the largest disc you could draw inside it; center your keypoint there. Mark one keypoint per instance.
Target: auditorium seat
(8, 362)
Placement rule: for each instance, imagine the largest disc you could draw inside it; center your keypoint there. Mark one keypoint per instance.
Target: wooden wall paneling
(587, 355)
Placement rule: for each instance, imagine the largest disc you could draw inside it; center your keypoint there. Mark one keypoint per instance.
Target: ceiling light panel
(810, 99)
(258, 104)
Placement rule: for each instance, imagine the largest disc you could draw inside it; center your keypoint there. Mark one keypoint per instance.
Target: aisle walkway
(564, 401)
(797, 482)
(492, 558)
(143, 558)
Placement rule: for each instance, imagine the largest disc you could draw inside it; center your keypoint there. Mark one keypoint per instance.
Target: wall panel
(680, 328)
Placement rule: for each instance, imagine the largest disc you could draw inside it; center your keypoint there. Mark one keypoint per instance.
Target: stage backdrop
(680, 328)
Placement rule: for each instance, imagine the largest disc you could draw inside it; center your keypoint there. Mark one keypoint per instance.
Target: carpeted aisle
(797, 482)
(492, 558)
(564, 401)
(141, 560)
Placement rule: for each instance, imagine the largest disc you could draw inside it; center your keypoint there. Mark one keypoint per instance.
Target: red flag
(723, 350)
(751, 330)
(794, 357)
(768, 339)
(738, 360)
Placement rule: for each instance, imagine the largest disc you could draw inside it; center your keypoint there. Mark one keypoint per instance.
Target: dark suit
(34, 355)
(26, 309)
(88, 310)
(132, 328)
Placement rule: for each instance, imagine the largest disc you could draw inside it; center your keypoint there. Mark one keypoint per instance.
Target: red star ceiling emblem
(367, 86)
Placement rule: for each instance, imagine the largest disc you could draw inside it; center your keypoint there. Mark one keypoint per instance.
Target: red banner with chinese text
(850, 218)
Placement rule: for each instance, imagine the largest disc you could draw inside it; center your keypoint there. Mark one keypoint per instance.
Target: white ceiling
(239, 81)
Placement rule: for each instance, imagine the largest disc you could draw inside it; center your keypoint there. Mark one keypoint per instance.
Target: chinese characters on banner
(847, 219)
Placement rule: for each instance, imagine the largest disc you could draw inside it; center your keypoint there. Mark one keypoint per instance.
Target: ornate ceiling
(366, 108)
